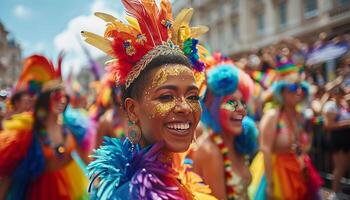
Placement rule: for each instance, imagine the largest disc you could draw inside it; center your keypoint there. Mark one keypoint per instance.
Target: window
(260, 26)
(282, 8)
(235, 4)
(222, 8)
(310, 8)
(235, 29)
(343, 2)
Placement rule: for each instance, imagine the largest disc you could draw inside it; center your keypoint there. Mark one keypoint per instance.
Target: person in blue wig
(222, 158)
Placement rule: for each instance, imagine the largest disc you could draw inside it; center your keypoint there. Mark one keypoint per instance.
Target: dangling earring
(134, 133)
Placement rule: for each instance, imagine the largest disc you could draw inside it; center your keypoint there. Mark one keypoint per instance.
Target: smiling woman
(230, 141)
(156, 66)
(225, 115)
(168, 110)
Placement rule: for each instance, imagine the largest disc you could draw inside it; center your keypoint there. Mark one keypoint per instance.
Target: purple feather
(153, 179)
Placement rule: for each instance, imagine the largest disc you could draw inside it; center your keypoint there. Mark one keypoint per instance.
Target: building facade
(238, 26)
(10, 59)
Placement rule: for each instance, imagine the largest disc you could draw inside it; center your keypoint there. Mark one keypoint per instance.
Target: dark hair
(17, 97)
(134, 90)
(41, 109)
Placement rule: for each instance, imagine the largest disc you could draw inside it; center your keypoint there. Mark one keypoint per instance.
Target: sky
(49, 26)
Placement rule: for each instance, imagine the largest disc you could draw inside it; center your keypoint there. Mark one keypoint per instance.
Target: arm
(208, 163)
(104, 128)
(268, 126)
(330, 122)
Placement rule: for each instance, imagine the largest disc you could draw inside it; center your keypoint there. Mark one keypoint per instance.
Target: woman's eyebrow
(170, 87)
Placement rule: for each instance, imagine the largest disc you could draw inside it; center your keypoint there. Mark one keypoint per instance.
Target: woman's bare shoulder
(208, 148)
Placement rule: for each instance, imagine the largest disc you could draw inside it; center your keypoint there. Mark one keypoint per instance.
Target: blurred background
(316, 32)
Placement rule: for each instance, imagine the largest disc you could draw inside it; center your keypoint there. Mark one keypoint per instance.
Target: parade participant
(337, 122)
(113, 121)
(283, 170)
(37, 149)
(155, 57)
(24, 93)
(233, 135)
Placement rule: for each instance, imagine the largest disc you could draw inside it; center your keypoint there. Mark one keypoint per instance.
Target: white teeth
(237, 117)
(179, 126)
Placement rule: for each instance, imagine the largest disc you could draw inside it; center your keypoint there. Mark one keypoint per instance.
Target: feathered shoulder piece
(127, 172)
(38, 72)
(150, 31)
(15, 140)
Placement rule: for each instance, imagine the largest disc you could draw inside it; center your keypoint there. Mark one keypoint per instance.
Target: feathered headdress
(150, 31)
(39, 74)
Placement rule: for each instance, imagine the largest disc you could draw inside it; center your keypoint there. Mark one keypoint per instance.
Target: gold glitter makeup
(163, 109)
(172, 70)
(195, 106)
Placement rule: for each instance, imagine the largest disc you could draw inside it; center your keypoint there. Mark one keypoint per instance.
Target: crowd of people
(173, 120)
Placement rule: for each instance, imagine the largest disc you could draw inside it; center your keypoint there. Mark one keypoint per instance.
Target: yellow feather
(133, 22)
(98, 41)
(105, 17)
(197, 31)
(111, 61)
(182, 19)
(116, 23)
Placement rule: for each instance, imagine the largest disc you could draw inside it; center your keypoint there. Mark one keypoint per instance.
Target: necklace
(59, 149)
(233, 183)
(295, 136)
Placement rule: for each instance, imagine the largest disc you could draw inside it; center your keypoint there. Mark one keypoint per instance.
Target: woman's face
(293, 94)
(58, 101)
(26, 102)
(232, 111)
(169, 108)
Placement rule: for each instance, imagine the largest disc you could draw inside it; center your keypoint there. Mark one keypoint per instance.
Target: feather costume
(33, 167)
(128, 172)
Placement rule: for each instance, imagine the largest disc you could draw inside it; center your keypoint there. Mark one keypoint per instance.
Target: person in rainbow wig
(222, 158)
(283, 170)
(37, 149)
(156, 60)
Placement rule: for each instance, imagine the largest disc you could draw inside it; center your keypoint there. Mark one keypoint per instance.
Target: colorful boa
(128, 172)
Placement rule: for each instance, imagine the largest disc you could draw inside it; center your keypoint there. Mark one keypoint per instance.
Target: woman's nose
(182, 106)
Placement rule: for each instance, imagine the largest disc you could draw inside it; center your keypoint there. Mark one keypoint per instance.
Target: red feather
(135, 9)
(153, 12)
(165, 11)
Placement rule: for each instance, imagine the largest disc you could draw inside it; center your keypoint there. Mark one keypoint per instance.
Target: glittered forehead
(162, 75)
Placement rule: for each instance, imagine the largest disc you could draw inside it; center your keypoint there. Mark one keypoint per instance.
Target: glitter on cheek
(230, 106)
(162, 109)
(195, 106)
